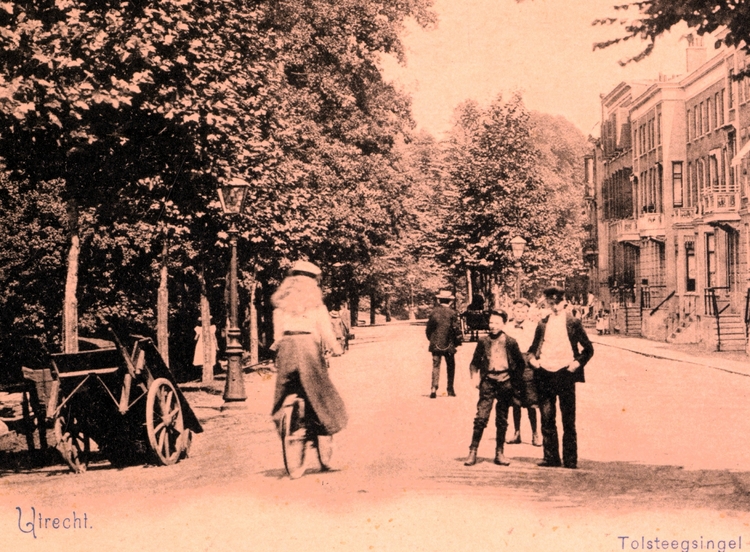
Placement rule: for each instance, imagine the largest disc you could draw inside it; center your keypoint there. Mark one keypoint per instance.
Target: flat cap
(554, 292)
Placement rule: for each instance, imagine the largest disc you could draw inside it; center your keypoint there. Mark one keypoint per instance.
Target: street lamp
(517, 245)
(232, 196)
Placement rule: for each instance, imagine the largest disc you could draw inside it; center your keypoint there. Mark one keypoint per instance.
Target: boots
(325, 451)
(536, 440)
(516, 439)
(500, 458)
(472, 458)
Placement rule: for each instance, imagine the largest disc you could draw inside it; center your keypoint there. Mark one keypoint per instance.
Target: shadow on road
(607, 484)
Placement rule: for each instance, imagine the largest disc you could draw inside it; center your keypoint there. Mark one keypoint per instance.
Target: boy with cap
(522, 329)
(559, 352)
(500, 364)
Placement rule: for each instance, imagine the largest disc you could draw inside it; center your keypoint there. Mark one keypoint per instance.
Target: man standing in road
(559, 352)
(444, 334)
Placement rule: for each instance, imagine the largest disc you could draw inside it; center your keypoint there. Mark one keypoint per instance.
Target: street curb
(665, 357)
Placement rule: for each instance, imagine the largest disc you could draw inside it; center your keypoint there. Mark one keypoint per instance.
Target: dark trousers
(450, 365)
(550, 386)
(489, 391)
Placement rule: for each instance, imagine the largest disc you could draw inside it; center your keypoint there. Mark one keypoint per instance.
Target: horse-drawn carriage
(475, 319)
(126, 404)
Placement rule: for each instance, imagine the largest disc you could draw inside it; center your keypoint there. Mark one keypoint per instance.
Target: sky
(540, 48)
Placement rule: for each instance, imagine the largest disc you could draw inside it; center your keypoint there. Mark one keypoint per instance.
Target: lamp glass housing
(517, 244)
(232, 196)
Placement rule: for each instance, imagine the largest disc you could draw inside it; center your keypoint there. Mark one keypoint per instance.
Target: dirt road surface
(662, 449)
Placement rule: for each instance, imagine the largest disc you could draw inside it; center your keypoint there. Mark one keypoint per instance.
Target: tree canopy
(649, 19)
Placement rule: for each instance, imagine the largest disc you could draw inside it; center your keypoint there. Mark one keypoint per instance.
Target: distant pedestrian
(522, 329)
(339, 328)
(444, 333)
(559, 353)
(201, 358)
(499, 363)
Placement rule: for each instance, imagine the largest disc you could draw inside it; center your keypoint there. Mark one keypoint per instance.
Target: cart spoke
(164, 422)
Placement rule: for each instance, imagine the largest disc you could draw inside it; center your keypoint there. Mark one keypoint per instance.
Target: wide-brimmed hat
(444, 295)
(305, 267)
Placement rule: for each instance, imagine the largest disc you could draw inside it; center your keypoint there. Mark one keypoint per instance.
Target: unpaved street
(661, 446)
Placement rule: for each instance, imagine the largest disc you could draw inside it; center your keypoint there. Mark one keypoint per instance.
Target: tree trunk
(387, 308)
(354, 305)
(469, 291)
(70, 302)
(207, 342)
(162, 305)
(372, 309)
(253, 322)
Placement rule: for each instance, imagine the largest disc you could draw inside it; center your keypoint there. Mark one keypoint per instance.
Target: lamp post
(232, 196)
(517, 245)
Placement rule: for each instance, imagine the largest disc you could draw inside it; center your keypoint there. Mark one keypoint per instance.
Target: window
(689, 124)
(652, 132)
(677, 183)
(690, 266)
(720, 106)
(658, 128)
(730, 88)
(710, 115)
(713, 172)
(704, 119)
(710, 260)
(698, 121)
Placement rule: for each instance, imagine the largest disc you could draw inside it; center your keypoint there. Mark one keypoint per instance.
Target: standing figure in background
(339, 328)
(199, 358)
(522, 330)
(444, 333)
(302, 336)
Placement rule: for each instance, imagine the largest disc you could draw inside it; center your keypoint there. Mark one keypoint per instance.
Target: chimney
(696, 53)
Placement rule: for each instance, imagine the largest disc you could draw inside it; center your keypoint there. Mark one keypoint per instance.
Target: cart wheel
(293, 434)
(72, 442)
(164, 421)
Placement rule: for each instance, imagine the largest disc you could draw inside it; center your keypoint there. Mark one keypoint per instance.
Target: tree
(515, 174)
(500, 191)
(136, 111)
(653, 18)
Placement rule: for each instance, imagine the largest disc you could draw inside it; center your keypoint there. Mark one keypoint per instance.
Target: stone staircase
(684, 332)
(730, 335)
(631, 321)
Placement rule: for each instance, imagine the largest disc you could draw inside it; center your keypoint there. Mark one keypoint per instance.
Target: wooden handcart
(125, 404)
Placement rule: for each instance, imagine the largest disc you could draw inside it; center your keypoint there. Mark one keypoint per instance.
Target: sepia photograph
(374, 275)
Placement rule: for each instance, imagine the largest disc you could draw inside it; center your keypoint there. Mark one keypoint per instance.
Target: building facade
(667, 190)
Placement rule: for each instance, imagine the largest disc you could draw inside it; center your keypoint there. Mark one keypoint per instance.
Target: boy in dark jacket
(500, 365)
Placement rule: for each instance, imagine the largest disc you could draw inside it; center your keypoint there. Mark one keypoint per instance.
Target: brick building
(667, 190)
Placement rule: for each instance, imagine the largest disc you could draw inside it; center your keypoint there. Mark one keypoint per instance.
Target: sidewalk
(735, 362)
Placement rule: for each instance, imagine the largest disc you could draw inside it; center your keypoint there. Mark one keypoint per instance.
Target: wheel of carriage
(164, 423)
(72, 441)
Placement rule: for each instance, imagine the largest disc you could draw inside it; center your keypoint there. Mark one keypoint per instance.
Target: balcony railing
(684, 214)
(651, 224)
(720, 204)
(626, 230)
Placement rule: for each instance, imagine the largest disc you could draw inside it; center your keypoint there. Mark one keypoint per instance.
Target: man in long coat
(444, 333)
